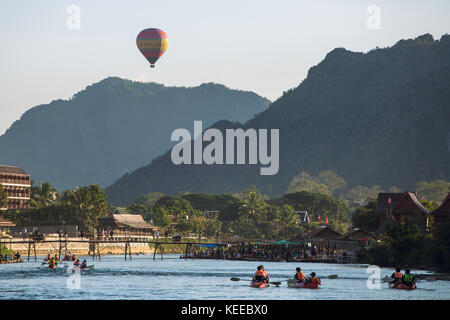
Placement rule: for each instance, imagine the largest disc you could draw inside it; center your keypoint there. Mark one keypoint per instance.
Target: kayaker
(408, 278)
(299, 275)
(76, 263)
(74, 257)
(397, 276)
(266, 279)
(52, 263)
(313, 280)
(83, 264)
(261, 275)
(48, 257)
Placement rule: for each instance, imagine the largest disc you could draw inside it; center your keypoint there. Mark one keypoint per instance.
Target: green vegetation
(253, 216)
(433, 191)
(364, 217)
(5, 251)
(81, 206)
(405, 245)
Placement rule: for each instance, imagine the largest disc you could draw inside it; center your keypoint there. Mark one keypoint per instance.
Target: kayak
(88, 268)
(257, 284)
(294, 284)
(402, 286)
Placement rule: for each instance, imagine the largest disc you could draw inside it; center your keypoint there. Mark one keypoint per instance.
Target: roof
(6, 223)
(443, 212)
(323, 232)
(12, 170)
(409, 204)
(130, 220)
(382, 202)
(357, 234)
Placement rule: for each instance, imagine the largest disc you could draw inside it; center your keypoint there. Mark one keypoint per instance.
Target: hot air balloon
(152, 43)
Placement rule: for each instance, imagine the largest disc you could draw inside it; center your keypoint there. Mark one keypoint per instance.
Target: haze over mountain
(381, 117)
(113, 127)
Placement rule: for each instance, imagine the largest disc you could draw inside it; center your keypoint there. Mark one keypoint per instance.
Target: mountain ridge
(373, 118)
(114, 126)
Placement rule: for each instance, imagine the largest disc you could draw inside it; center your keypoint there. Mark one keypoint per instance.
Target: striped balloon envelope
(152, 43)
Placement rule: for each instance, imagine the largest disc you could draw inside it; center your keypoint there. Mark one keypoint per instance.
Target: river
(174, 278)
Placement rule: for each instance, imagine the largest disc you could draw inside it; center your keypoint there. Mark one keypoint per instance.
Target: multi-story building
(17, 185)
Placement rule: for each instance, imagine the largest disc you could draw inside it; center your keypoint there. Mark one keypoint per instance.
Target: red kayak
(402, 286)
(294, 284)
(257, 284)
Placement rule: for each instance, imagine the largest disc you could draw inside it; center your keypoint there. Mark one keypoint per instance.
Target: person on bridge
(299, 275)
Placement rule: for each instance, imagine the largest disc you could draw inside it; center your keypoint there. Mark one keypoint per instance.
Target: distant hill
(113, 127)
(380, 117)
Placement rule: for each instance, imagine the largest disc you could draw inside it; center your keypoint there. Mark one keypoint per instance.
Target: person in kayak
(313, 280)
(76, 263)
(52, 263)
(299, 275)
(83, 264)
(261, 275)
(266, 276)
(397, 276)
(74, 257)
(408, 278)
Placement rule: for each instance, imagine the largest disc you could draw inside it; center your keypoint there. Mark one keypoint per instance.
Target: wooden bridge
(95, 245)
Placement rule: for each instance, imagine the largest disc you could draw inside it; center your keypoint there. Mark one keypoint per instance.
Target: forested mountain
(380, 117)
(113, 127)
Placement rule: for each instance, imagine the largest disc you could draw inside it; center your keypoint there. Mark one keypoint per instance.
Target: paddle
(239, 279)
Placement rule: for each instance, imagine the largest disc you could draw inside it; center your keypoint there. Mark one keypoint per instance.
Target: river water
(174, 278)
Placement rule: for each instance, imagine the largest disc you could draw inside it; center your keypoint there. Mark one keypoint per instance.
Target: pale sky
(257, 45)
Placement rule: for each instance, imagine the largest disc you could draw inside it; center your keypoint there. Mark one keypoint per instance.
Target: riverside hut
(442, 214)
(323, 233)
(410, 208)
(124, 224)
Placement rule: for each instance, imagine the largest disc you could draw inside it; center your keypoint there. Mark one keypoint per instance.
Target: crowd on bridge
(265, 252)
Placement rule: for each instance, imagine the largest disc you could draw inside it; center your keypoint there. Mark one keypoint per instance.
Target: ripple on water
(173, 278)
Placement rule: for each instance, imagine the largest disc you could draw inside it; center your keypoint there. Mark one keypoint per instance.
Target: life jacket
(398, 275)
(300, 276)
(409, 278)
(265, 273)
(261, 273)
(83, 265)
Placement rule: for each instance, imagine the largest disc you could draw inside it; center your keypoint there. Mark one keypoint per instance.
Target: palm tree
(255, 205)
(88, 201)
(43, 196)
